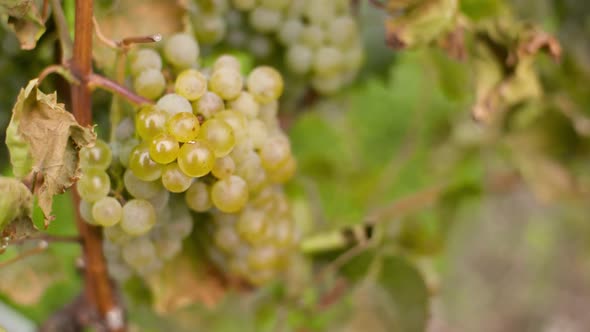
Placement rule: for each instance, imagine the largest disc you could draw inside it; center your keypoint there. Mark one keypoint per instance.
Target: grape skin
(196, 158)
(183, 127)
(265, 84)
(173, 104)
(93, 185)
(226, 82)
(219, 135)
(198, 198)
(139, 216)
(174, 179)
(150, 83)
(145, 59)
(107, 211)
(98, 156)
(164, 148)
(181, 50)
(190, 84)
(230, 195)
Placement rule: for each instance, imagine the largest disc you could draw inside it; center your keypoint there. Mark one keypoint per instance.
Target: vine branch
(98, 288)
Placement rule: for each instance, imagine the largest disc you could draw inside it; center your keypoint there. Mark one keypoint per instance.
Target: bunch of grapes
(315, 39)
(211, 144)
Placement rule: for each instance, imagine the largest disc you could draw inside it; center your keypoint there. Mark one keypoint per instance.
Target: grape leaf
(16, 209)
(24, 19)
(53, 137)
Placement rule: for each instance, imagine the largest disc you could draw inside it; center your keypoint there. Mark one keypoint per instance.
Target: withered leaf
(54, 138)
(24, 19)
(16, 209)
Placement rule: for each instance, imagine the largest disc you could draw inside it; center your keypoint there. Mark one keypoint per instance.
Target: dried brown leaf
(54, 138)
(24, 19)
(16, 209)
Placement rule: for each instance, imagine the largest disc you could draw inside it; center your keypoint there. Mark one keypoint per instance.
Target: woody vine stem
(98, 288)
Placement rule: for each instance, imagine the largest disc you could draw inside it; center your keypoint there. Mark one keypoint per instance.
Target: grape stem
(99, 81)
(97, 286)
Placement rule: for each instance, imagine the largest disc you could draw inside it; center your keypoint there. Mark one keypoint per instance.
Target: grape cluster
(210, 145)
(316, 39)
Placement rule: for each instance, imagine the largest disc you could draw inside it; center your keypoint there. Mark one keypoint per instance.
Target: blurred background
(485, 224)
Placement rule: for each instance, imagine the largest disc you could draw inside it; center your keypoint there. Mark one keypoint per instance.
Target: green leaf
(52, 137)
(408, 291)
(25, 20)
(16, 209)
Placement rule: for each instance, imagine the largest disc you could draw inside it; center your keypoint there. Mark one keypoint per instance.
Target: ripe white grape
(198, 198)
(139, 216)
(226, 82)
(173, 104)
(327, 61)
(139, 188)
(227, 60)
(93, 185)
(139, 252)
(145, 59)
(181, 50)
(230, 195)
(299, 58)
(264, 19)
(190, 84)
(209, 104)
(245, 104)
(107, 211)
(150, 83)
(265, 84)
(290, 31)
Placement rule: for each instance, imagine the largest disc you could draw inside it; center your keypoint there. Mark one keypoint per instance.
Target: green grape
(125, 151)
(150, 121)
(190, 84)
(197, 197)
(257, 132)
(285, 172)
(125, 129)
(327, 85)
(196, 158)
(183, 127)
(268, 114)
(227, 60)
(160, 200)
(245, 104)
(265, 20)
(226, 239)
(265, 84)
(174, 179)
(139, 252)
(283, 236)
(116, 234)
(150, 83)
(226, 82)
(263, 258)
(139, 216)
(275, 4)
(93, 185)
(327, 61)
(250, 169)
(312, 36)
(145, 59)
(319, 12)
(224, 167)
(230, 195)
(142, 165)
(251, 225)
(173, 104)
(210, 29)
(342, 30)
(237, 121)
(244, 4)
(139, 188)
(299, 58)
(181, 50)
(274, 152)
(98, 156)
(107, 211)
(166, 247)
(164, 148)
(85, 209)
(209, 104)
(219, 135)
(261, 46)
(290, 31)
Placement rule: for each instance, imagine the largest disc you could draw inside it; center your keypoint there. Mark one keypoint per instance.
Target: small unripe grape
(230, 195)
(196, 158)
(139, 188)
(265, 84)
(150, 83)
(227, 60)
(190, 84)
(139, 216)
(107, 211)
(285, 172)
(224, 167)
(181, 50)
(226, 82)
(183, 127)
(142, 165)
(116, 234)
(209, 104)
(98, 156)
(245, 104)
(173, 104)
(145, 59)
(220, 135)
(174, 179)
(150, 122)
(164, 148)
(274, 152)
(237, 121)
(93, 185)
(251, 225)
(198, 198)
